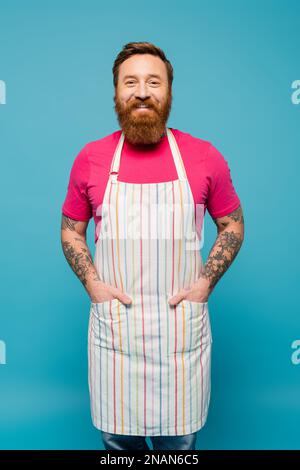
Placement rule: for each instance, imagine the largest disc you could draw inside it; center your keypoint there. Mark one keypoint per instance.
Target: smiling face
(143, 98)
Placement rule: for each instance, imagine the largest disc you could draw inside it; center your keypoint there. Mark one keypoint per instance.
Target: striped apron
(149, 363)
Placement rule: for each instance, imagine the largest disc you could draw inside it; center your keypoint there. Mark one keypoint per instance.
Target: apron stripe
(175, 308)
(151, 314)
(201, 366)
(173, 229)
(159, 314)
(168, 318)
(119, 323)
(128, 313)
(142, 305)
(112, 240)
(134, 288)
(118, 241)
(181, 234)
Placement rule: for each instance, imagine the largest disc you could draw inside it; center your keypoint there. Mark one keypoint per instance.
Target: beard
(143, 127)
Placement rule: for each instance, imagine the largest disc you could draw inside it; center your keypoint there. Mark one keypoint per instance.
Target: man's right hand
(107, 292)
(75, 248)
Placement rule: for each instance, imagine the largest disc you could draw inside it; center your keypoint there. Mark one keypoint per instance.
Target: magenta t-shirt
(207, 171)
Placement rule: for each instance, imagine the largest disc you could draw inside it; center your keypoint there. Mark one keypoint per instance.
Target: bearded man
(147, 186)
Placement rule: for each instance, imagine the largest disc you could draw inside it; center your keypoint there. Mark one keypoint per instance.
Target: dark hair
(132, 48)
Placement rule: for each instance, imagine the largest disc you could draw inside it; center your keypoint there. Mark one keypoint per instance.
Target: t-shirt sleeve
(76, 204)
(222, 197)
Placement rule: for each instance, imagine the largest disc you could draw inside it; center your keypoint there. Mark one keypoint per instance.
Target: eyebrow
(150, 75)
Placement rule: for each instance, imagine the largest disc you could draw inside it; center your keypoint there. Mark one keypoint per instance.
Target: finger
(175, 299)
(179, 296)
(124, 298)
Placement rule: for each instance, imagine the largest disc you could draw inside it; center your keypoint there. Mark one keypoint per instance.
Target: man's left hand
(198, 292)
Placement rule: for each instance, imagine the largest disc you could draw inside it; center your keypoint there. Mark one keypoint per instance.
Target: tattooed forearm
(80, 260)
(226, 246)
(76, 250)
(221, 256)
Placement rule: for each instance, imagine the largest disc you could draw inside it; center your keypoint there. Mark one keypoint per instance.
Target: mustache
(136, 104)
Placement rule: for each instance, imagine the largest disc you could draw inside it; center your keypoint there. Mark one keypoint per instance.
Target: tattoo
(226, 246)
(80, 240)
(67, 223)
(78, 256)
(80, 261)
(236, 216)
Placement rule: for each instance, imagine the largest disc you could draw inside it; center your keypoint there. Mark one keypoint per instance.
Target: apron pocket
(188, 327)
(109, 325)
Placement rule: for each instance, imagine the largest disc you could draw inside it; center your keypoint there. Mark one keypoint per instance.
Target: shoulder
(93, 153)
(202, 150)
(187, 138)
(102, 145)
(195, 146)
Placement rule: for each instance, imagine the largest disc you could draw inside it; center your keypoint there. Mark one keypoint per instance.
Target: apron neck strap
(176, 156)
(115, 165)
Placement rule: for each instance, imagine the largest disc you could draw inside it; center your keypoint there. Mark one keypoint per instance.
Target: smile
(142, 107)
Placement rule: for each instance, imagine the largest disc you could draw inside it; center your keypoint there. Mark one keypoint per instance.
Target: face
(143, 98)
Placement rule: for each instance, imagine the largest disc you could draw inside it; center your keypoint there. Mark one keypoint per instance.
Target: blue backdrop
(235, 84)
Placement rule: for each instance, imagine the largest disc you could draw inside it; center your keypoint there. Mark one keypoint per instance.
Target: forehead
(141, 65)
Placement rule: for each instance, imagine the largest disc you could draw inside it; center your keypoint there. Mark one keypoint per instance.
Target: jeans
(124, 442)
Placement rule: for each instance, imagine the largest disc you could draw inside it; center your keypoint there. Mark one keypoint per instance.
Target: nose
(142, 92)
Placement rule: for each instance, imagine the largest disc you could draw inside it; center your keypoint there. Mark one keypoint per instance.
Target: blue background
(234, 63)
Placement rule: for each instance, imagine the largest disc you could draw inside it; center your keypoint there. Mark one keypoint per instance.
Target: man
(147, 187)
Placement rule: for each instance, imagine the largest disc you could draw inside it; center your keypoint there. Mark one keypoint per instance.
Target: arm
(227, 244)
(226, 247)
(77, 253)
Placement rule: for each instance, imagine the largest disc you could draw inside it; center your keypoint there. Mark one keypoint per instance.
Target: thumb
(178, 297)
(124, 298)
